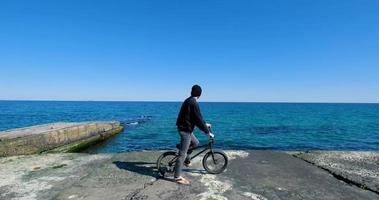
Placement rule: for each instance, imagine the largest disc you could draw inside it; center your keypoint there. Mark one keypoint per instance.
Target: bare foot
(182, 180)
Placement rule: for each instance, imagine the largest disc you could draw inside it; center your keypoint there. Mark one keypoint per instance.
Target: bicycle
(214, 161)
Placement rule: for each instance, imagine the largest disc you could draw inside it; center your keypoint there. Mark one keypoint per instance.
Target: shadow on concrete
(196, 171)
(149, 169)
(144, 168)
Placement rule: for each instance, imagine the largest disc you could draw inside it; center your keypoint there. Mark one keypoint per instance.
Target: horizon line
(178, 101)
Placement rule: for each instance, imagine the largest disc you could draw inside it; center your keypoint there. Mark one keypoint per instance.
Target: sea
(151, 125)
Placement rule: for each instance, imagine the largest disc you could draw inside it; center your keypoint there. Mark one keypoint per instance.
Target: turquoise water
(151, 125)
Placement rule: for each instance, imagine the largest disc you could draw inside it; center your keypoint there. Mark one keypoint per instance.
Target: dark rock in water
(136, 121)
(262, 130)
(271, 129)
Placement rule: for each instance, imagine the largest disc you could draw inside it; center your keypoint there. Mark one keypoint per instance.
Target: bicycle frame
(207, 147)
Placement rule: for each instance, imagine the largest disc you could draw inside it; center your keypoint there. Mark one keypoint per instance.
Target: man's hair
(196, 91)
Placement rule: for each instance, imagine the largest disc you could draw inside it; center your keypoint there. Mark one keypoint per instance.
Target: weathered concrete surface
(359, 168)
(250, 175)
(41, 138)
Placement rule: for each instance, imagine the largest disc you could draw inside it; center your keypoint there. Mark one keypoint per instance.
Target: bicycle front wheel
(166, 163)
(215, 162)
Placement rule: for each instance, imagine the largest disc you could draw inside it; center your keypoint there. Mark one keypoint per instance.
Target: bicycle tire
(163, 167)
(221, 156)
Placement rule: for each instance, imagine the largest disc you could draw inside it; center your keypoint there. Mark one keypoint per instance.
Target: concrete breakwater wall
(55, 137)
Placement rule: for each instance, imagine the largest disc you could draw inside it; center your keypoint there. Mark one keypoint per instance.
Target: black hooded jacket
(190, 116)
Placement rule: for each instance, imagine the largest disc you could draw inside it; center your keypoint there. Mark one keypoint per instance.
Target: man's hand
(208, 125)
(210, 135)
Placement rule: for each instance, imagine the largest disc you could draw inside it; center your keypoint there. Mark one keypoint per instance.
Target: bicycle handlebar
(210, 129)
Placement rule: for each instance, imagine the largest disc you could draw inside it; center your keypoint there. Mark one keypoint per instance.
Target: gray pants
(186, 140)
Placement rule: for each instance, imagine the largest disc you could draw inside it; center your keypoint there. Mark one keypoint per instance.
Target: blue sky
(276, 51)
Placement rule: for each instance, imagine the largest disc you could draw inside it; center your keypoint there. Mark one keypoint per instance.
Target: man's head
(196, 91)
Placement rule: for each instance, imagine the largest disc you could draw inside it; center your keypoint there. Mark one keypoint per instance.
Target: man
(189, 117)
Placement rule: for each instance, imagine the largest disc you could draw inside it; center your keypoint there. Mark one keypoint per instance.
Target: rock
(360, 168)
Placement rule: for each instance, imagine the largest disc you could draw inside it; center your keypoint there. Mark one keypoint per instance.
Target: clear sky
(274, 50)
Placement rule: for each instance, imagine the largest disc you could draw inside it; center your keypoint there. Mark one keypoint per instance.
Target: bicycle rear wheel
(215, 162)
(166, 163)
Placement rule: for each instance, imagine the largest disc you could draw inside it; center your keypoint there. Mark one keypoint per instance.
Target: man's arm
(199, 121)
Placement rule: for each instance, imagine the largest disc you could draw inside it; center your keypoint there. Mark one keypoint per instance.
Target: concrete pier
(257, 175)
(55, 137)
